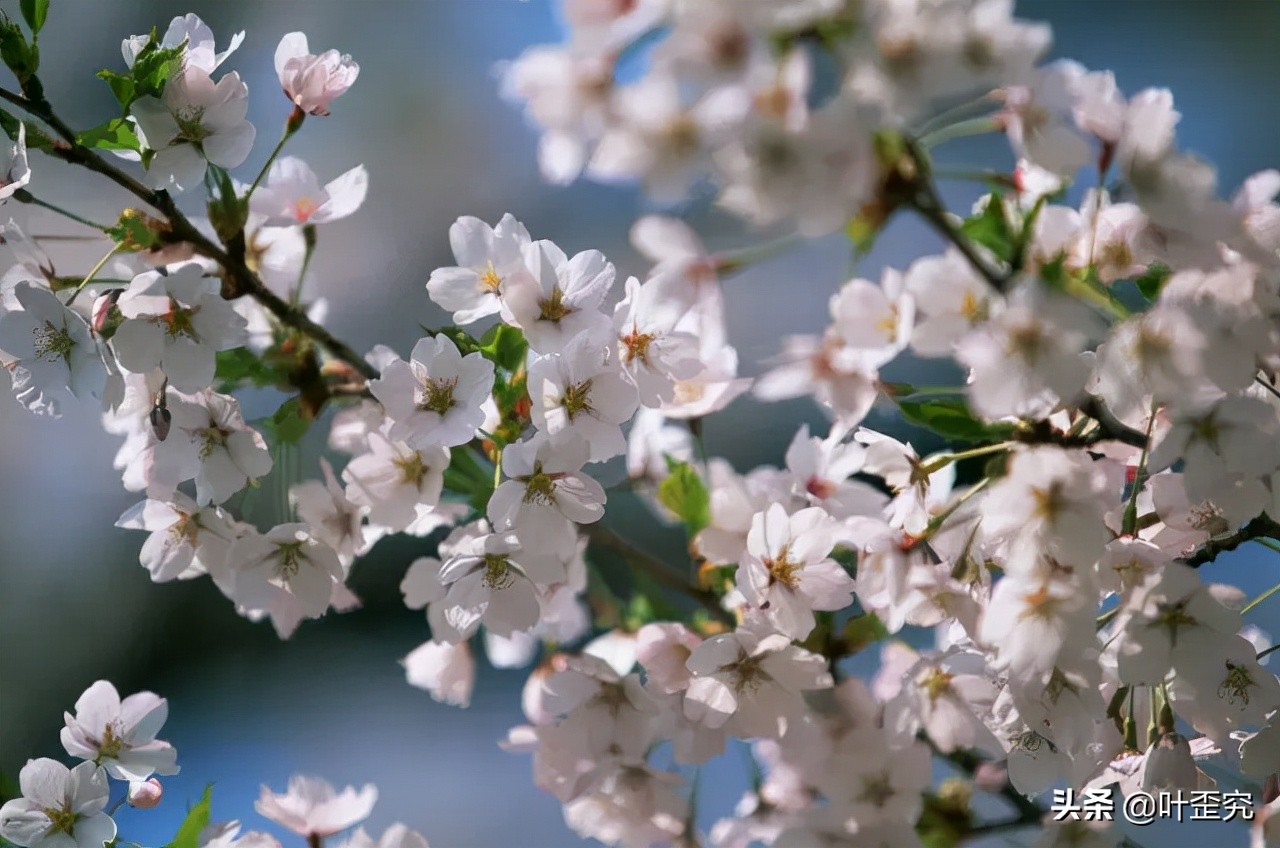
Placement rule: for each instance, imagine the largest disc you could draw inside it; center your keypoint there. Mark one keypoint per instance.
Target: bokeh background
(427, 119)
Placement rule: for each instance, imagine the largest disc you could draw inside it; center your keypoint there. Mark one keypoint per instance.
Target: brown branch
(1264, 526)
(603, 537)
(242, 279)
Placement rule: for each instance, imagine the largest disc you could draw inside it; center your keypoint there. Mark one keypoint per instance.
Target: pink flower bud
(102, 309)
(145, 794)
(312, 82)
(991, 777)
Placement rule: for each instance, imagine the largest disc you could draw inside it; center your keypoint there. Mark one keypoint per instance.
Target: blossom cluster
(1116, 427)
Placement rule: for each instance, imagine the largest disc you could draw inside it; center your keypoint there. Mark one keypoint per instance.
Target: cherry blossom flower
(396, 836)
(176, 320)
(186, 540)
(59, 807)
(197, 35)
(194, 123)
(546, 492)
(292, 196)
(486, 578)
(750, 682)
(286, 557)
(561, 298)
(580, 391)
(332, 519)
(654, 354)
(400, 486)
(53, 349)
(489, 260)
(312, 82)
(435, 398)
(311, 807)
(207, 441)
(120, 735)
(788, 573)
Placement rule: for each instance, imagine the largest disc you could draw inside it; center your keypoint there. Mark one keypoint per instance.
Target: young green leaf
(115, 134)
(188, 835)
(991, 229)
(34, 13)
(684, 493)
(289, 425)
(952, 419)
(504, 346)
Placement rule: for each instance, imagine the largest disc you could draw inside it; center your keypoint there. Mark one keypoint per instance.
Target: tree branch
(242, 279)
(603, 537)
(1264, 526)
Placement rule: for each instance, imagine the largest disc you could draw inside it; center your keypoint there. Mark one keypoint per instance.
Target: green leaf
(132, 233)
(155, 65)
(684, 493)
(505, 346)
(240, 365)
(952, 419)
(34, 13)
(1151, 282)
(864, 630)
(121, 85)
(22, 58)
(188, 835)
(288, 424)
(115, 134)
(465, 341)
(991, 229)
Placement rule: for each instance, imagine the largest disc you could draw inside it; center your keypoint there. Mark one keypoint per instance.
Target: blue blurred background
(426, 118)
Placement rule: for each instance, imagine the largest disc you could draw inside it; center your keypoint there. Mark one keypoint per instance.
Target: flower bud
(145, 794)
(312, 82)
(991, 777)
(106, 317)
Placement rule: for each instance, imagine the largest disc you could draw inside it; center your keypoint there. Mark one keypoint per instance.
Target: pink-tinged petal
(45, 781)
(346, 195)
(143, 714)
(709, 701)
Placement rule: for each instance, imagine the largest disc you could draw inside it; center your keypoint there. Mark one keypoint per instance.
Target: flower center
(61, 820)
(179, 321)
(497, 572)
(576, 399)
(1236, 685)
(412, 468)
(304, 208)
(1171, 616)
(111, 744)
(747, 673)
(539, 488)
(554, 308)
(53, 343)
(291, 558)
(490, 280)
(636, 345)
(190, 126)
(185, 530)
(876, 789)
(213, 437)
(1207, 517)
(437, 395)
(783, 570)
(936, 683)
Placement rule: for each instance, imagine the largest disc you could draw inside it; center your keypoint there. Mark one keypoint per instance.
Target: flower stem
(1275, 546)
(960, 129)
(940, 462)
(289, 129)
(24, 196)
(93, 272)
